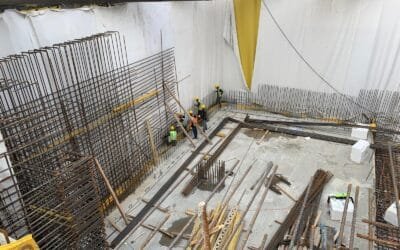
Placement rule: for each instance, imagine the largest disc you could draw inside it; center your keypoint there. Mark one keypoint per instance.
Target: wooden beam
(115, 226)
(370, 200)
(262, 137)
(379, 241)
(111, 190)
(157, 229)
(164, 210)
(152, 144)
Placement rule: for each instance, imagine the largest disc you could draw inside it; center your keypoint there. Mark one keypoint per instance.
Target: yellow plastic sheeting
(247, 15)
(25, 243)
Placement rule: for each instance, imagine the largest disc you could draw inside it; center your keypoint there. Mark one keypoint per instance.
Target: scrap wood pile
(222, 222)
(299, 229)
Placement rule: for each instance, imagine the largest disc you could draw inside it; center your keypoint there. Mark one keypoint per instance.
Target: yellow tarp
(247, 15)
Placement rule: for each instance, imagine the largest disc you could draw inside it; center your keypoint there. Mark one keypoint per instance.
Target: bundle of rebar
(295, 230)
(206, 174)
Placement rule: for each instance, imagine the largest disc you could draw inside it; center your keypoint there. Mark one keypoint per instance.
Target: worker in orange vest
(193, 123)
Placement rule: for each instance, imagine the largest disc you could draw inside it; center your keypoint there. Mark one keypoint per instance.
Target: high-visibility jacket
(172, 135)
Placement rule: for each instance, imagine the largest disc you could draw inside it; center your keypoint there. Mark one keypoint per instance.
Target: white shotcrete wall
(193, 28)
(353, 44)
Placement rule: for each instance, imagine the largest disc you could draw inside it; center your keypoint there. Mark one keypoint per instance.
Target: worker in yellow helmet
(172, 135)
(203, 116)
(197, 104)
(219, 92)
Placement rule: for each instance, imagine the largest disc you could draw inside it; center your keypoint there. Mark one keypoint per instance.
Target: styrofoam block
(360, 151)
(336, 208)
(391, 214)
(359, 133)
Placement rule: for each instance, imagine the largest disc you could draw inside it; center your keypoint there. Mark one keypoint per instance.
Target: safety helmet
(216, 86)
(172, 127)
(190, 112)
(196, 98)
(202, 106)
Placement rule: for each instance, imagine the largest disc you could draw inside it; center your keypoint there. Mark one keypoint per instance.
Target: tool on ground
(339, 196)
(277, 178)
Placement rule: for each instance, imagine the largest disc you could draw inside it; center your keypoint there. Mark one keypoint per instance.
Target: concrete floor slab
(297, 157)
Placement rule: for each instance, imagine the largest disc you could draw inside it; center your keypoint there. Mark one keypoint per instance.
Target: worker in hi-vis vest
(172, 136)
(219, 92)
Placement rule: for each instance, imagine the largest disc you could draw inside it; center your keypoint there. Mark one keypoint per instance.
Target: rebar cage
(370, 105)
(384, 192)
(81, 98)
(62, 211)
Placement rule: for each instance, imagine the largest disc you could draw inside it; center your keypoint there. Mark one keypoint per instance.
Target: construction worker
(183, 120)
(203, 116)
(197, 105)
(193, 123)
(219, 92)
(172, 135)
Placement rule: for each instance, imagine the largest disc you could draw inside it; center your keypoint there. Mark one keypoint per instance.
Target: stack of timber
(225, 221)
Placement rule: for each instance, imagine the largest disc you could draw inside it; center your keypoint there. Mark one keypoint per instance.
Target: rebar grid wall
(384, 191)
(369, 105)
(63, 211)
(82, 97)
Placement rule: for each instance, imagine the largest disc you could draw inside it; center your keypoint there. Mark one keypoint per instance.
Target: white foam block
(336, 209)
(360, 151)
(359, 133)
(391, 214)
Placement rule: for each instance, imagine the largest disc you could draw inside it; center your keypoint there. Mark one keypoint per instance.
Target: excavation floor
(297, 157)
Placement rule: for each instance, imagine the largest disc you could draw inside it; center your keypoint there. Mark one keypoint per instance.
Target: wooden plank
(262, 137)
(165, 232)
(370, 200)
(344, 215)
(285, 192)
(353, 223)
(164, 210)
(111, 190)
(379, 241)
(152, 144)
(115, 226)
(151, 235)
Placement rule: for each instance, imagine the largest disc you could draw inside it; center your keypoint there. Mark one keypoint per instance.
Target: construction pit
(247, 153)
